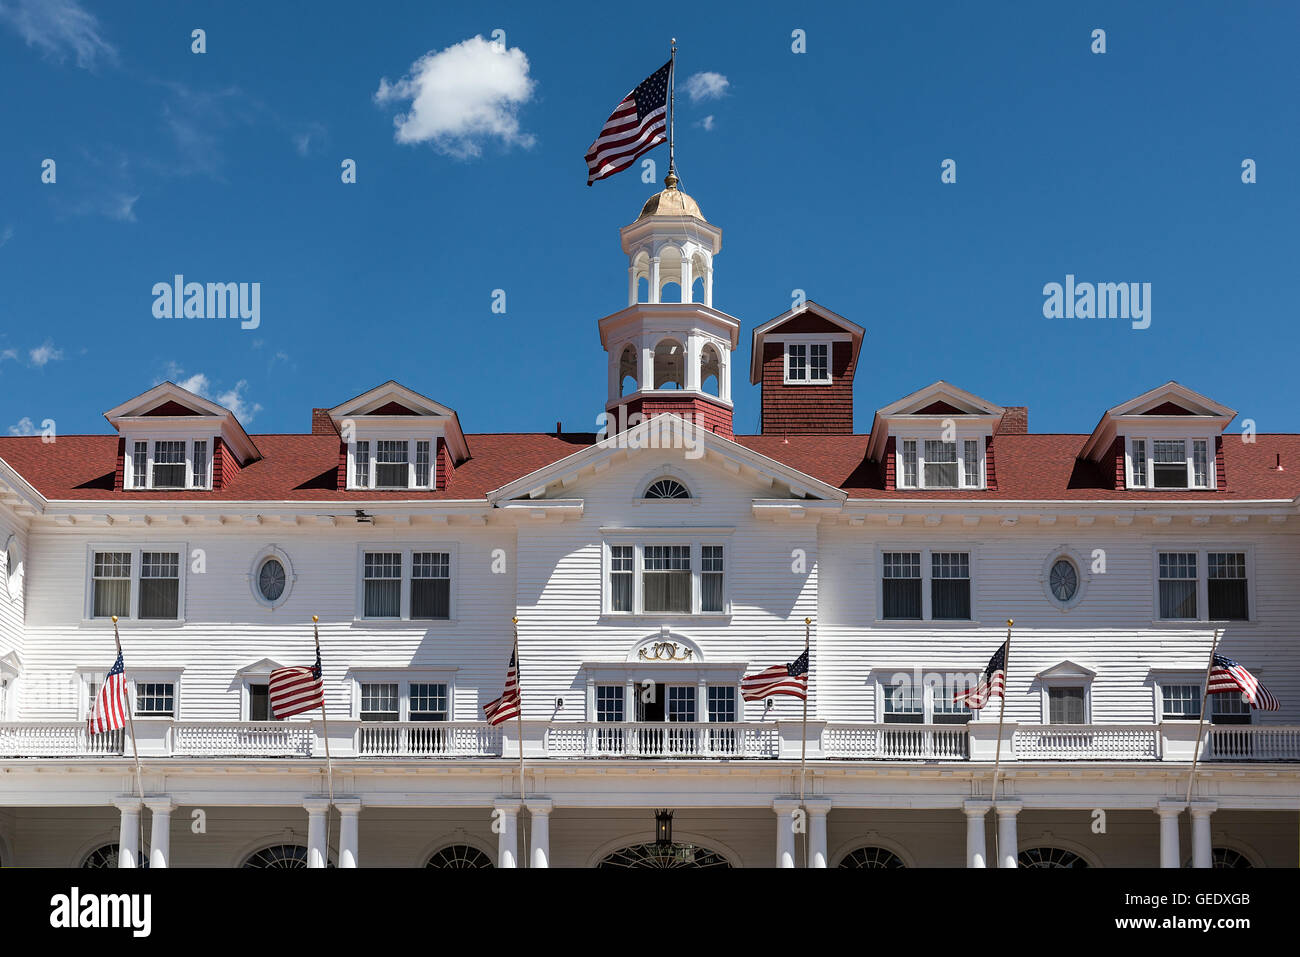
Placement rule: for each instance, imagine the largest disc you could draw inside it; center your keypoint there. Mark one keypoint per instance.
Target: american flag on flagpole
(1227, 676)
(791, 679)
(639, 123)
(296, 689)
(109, 710)
(992, 683)
(510, 703)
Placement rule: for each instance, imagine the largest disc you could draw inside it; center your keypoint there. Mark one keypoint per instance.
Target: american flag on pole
(296, 689)
(992, 683)
(509, 704)
(1227, 676)
(639, 123)
(791, 679)
(109, 710)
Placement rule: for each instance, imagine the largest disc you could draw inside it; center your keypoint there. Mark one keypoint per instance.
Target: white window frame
(882, 679)
(403, 678)
(1150, 438)
(808, 342)
(1202, 552)
(150, 438)
(1174, 676)
(1048, 682)
(88, 607)
(268, 552)
(170, 676)
(695, 538)
(965, 482)
(927, 571)
(407, 551)
(374, 438)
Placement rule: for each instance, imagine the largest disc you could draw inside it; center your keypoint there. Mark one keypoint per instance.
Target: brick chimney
(321, 423)
(1015, 421)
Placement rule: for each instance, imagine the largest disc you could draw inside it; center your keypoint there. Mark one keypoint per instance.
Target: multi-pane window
(680, 705)
(1166, 463)
(909, 463)
(666, 578)
(259, 703)
(200, 463)
(971, 463)
(160, 583)
(391, 469)
(1229, 709)
(1140, 463)
(1180, 702)
(361, 464)
(1200, 463)
(946, 710)
(940, 464)
(155, 698)
(422, 464)
(796, 362)
(1227, 586)
(383, 584)
(904, 703)
(140, 465)
(620, 577)
(169, 464)
(819, 367)
(901, 585)
(1177, 585)
(711, 578)
(1065, 705)
(722, 703)
(950, 585)
(610, 703)
(380, 701)
(430, 585)
(808, 362)
(428, 701)
(1169, 463)
(111, 582)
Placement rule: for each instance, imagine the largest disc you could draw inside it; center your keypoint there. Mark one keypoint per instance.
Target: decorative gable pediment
(259, 668)
(1067, 669)
(1167, 411)
(393, 410)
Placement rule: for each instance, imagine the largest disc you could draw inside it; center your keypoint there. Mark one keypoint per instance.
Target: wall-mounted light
(663, 827)
(559, 704)
(769, 704)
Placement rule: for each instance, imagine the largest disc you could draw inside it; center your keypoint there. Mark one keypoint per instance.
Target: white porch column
(507, 825)
(654, 279)
(349, 830)
(1202, 845)
(539, 843)
(1008, 838)
(818, 808)
(784, 831)
(160, 829)
(1169, 811)
(317, 852)
(128, 836)
(976, 843)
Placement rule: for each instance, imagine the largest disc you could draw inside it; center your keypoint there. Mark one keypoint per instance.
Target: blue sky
(822, 168)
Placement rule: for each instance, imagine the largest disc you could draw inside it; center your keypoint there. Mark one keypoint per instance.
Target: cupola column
(631, 285)
(708, 284)
(687, 278)
(692, 379)
(654, 279)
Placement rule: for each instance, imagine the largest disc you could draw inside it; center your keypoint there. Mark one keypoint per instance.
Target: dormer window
(169, 464)
(1169, 463)
(389, 464)
(807, 363)
(940, 464)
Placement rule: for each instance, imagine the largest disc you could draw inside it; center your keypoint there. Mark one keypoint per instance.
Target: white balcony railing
(896, 742)
(56, 739)
(432, 739)
(659, 740)
(1086, 742)
(1246, 743)
(242, 738)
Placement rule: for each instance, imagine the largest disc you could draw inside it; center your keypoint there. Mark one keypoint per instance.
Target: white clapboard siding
(12, 596)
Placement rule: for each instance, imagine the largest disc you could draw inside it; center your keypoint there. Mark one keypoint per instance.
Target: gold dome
(671, 202)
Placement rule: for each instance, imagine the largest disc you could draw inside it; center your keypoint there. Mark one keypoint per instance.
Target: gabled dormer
(392, 438)
(803, 361)
(939, 437)
(174, 440)
(1167, 439)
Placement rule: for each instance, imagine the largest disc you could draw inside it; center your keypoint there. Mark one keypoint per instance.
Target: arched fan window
(460, 856)
(1226, 857)
(1050, 857)
(101, 858)
(291, 856)
(667, 488)
(664, 856)
(872, 857)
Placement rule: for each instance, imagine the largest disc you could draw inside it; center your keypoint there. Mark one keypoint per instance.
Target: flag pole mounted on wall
(1200, 725)
(997, 755)
(520, 714)
(325, 729)
(130, 720)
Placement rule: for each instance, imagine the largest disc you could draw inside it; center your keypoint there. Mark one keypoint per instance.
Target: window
(422, 464)
(610, 703)
(431, 585)
(722, 703)
(428, 701)
(901, 588)
(808, 362)
(1140, 463)
(169, 463)
(1161, 463)
(1178, 585)
(944, 709)
(681, 703)
(796, 362)
(259, 703)
(1180, 702)
(361, 465)
(1169, 463)
(667, 488)
(1063, 580)
(904, 703)
(391, 465)
(950, 586)
(1200, 462)
(666, 579)
(379, 701)
(1065, 705)
(271, 580)
(155, 698)
(112, 585)
(160, 582)
(909, 463)
(200, 463)
(971, 463)
(1227, 586)
(383, 584)
(711, 578)
(140, 465)
(940, 464)
(1228, 708)
(620, 578)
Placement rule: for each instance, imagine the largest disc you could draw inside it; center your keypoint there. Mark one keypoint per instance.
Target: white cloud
(24, 426)
(9, 354)
(462, 97)
(235, 399)
(44, 354)
(57, 28)
(707, 122)
(706, 86)
(7, 235)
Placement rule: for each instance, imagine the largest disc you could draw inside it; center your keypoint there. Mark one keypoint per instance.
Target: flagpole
(672, 95)
(1200, 725)
(520, 710)
(325, 729)
(997, 756)
(803, 736)
(130, 718)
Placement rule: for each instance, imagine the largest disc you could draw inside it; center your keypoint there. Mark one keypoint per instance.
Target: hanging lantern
(664, 828)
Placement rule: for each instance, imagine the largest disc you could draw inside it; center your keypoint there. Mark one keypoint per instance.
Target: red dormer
(1165, 439)
(174, 440)
(805, 360)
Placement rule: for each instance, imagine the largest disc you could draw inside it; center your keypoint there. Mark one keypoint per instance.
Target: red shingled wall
(799, 409)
